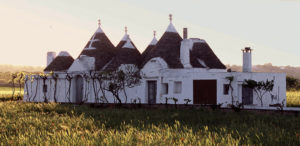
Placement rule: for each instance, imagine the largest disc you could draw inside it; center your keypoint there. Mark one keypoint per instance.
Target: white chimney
(247, 59)
(50, 57)
(185, 47)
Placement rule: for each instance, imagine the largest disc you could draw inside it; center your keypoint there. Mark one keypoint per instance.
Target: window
(165, 88)
(177, 87)
(226, 89)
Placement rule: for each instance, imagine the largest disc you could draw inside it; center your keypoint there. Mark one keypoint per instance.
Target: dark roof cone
(123, 40)
(61, 63)
(128, 54)
(168, 48)
(100, 47)
(202, 56)
(150, 46)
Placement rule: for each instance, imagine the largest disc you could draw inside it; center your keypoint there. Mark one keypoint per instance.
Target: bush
(292, 83)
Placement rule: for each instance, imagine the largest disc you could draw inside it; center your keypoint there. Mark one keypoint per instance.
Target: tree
(113, 83)
(26, 78)
(119, 80)
(132, 77)
(230, 79)
(93, 77)
(69, 79)
(13, 78)
(55, 78)
(44, 77)
(260, 88)
(34, 78)
(87, 86)
(292, 83)
(20, 79)
(101, 76)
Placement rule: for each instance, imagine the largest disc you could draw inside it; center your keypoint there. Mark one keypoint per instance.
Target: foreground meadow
(56, 124)
(293, 98)
(5, 91)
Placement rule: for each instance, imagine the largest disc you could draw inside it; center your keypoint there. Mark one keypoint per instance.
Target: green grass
(293, 98)
(55, 124)
(6, 93)
(9, 91)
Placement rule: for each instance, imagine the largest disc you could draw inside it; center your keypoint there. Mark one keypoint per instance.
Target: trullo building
(173, 66)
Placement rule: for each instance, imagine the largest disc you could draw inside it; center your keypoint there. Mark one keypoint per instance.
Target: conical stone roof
(202, 56)
(100, 47)
(123, 41)
(61, 63)
(168, 48)
(150, 46)
(128, 54)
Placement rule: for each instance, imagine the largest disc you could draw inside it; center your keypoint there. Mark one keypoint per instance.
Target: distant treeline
(268, 67)
(17, 68)
(6, 72)
(292, 73)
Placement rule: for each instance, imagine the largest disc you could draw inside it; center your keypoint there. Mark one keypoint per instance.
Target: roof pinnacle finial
(154, 33)
(126, 29)
(170, 18)
(99, 22)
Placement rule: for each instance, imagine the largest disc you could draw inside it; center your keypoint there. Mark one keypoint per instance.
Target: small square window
(165, 88)
(226, 89)
(177, 87)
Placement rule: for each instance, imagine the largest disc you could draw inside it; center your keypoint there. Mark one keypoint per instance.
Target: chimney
(185, 48)
(185, 33)
(247, 59)
(50, 57)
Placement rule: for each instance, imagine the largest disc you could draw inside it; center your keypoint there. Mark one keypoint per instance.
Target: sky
(31, 28)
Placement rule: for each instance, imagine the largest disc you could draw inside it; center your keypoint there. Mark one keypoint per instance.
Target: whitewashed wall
(187, 77)
(156, 71)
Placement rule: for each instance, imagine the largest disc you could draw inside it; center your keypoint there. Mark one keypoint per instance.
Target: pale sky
(30, 28)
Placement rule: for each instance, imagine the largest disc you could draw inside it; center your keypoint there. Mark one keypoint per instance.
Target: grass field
(61, 124)
(293, 98)
(8, 91)
(55, 124)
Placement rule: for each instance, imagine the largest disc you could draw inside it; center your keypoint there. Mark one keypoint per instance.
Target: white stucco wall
(157, 71)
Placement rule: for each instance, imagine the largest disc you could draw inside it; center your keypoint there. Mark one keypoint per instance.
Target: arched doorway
(78, 89)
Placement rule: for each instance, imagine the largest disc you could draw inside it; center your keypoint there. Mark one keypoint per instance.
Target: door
(151, 92)
(247, 95)
(205, 91)
(79, 89)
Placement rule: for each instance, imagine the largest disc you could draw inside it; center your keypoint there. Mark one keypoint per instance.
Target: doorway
(205, 91)
(247, 95)
(79, 89)
(152, 92)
